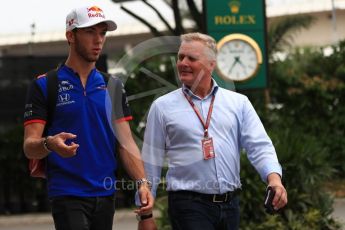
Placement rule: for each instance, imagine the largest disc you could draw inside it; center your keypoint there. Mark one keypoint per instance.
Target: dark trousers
(188, 211)
(83, 213)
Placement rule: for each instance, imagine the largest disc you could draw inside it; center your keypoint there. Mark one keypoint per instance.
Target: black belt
(215, 198)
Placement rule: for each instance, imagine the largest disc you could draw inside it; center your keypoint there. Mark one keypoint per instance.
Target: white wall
(321, 31)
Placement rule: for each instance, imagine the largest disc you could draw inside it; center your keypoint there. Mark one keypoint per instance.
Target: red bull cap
(87, 16)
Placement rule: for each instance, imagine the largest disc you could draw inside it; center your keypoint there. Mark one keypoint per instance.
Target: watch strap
(144, 217)
(45, 144)
(143, 181)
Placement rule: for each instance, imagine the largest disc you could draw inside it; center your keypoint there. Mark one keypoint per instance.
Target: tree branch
(154, 31)
(160, 16)
(196, 15)
(177, 16)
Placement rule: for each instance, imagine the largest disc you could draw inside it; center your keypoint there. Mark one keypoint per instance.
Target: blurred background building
(327, 29)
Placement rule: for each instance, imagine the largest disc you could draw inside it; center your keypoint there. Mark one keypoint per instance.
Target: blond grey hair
(207, 40)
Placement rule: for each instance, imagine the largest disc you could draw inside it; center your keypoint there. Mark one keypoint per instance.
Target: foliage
(280, 34)
(308, 220)
(163, 222)
(305, 168)
(21, 193)
(310, 86)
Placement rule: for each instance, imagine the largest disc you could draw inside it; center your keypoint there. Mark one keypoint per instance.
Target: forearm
(130, 156)
(33, 141)
(132, 161)
(129, 152)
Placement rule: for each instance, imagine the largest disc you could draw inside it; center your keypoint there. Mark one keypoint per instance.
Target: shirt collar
(70, 70)
(191, 94)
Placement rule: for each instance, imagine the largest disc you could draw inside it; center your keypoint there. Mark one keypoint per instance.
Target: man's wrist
(144, 217)
(46, 144)
(274, 178)
(143, 181)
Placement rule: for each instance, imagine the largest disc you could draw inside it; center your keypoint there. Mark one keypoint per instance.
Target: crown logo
(234, 6)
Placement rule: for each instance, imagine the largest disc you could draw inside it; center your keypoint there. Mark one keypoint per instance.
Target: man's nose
(183, 61)
(99, 38)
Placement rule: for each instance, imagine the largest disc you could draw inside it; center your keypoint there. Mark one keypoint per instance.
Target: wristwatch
(45, 144)
(143, 181)
(144, 217)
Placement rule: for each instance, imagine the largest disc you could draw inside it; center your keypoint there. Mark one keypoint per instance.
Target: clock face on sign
(239, 57)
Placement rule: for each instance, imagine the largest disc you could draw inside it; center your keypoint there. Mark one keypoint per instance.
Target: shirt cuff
(269, 168)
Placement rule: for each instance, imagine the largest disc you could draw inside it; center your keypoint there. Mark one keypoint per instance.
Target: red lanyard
(199, 115)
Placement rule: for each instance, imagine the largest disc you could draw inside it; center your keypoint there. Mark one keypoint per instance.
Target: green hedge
(305, 170)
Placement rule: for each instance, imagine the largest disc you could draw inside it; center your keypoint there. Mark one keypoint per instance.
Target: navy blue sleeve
(35, 105)
(121, 110)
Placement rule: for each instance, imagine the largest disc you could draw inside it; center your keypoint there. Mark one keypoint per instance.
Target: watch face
(238, 58)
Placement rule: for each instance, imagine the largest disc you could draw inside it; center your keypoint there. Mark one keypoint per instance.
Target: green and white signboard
(239, 29)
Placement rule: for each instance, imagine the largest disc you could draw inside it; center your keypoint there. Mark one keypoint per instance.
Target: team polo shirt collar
(191, 94)
(71, 71)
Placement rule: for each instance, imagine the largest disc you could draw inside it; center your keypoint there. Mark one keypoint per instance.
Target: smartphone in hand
(268, 200)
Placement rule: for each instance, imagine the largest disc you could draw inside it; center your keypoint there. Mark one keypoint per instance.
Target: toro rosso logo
(65, 86)
(95, 11)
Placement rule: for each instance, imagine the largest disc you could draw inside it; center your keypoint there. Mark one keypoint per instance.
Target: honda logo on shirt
(64, 97)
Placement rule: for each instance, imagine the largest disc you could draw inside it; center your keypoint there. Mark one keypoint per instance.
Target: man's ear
(70, 37)
(212, 65)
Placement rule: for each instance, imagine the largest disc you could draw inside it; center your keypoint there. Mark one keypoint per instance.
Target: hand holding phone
(268, 200)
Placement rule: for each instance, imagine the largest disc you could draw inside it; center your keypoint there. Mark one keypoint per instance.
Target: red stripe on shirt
(42, 75)
(34, 121)
(124, 119)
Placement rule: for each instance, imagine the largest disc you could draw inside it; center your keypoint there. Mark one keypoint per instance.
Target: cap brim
(111, 24)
